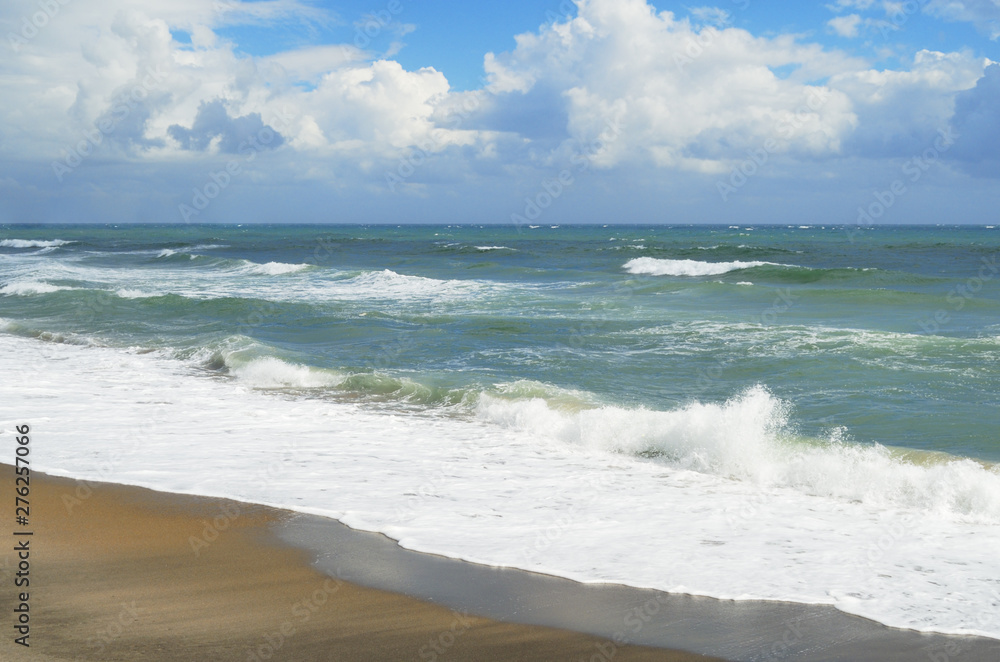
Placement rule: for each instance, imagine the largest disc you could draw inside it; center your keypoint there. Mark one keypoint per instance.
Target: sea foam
(659, 267)
(33, 243)
(713, 498)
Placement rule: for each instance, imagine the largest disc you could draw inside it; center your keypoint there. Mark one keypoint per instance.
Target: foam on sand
(714, 498)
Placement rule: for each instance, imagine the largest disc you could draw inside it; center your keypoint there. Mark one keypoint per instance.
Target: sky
(861, 112)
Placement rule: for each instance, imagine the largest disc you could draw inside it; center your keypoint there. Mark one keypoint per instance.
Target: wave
(494, 248)
(389, 284)
(242, 266)
(127, 293)
(27, 288)
(20, 329)
(270, 372)
(751, 438)
(33, 243)
(259, 366)
(272, 268)
(660, 267)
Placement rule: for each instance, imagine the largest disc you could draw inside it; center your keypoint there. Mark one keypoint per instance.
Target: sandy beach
(125, 573)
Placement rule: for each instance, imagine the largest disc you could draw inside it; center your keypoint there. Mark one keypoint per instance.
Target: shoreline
(737, 630)
(117, 573)
(94, 575)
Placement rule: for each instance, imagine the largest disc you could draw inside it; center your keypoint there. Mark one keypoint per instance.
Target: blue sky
(848, 111)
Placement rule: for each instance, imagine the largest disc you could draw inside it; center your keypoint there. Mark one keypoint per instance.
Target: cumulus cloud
(977, 125)
(683, 96)
(643, 90)
(985, 14)
(900, 112)
(845, 26)
(230, 134)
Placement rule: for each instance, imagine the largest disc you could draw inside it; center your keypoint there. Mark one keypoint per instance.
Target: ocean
(801, 413)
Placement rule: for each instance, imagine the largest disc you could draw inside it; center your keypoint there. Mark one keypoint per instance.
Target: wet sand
(125, 573)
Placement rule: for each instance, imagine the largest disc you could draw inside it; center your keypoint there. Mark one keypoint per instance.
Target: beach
(113, 576)
(744, 434)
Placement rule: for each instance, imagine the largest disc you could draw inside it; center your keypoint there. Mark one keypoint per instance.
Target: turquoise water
(889, 335)
(789, 413)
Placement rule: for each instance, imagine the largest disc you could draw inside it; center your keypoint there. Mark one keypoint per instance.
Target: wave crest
(750, 438)
(33, 243)
(661, 267)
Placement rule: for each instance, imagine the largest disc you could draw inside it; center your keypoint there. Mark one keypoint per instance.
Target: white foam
(33, 243)
(25, 288)
(493, 248)
(126, 293)
(389, 284)
(659, 267)
(728, 506)
(748, 439)
(270, 372)
(273, 268)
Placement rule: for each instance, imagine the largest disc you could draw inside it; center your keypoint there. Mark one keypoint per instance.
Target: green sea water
(886, 335)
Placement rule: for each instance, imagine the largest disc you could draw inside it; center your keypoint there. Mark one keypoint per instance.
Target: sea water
(799, 413)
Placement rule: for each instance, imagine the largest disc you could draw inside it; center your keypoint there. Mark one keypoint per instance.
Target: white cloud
(845, 26)
(985, 14)
(641, 90)
(841, 5)
(977, 125)
(899, 111)
(684, 96)
(711, 15)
